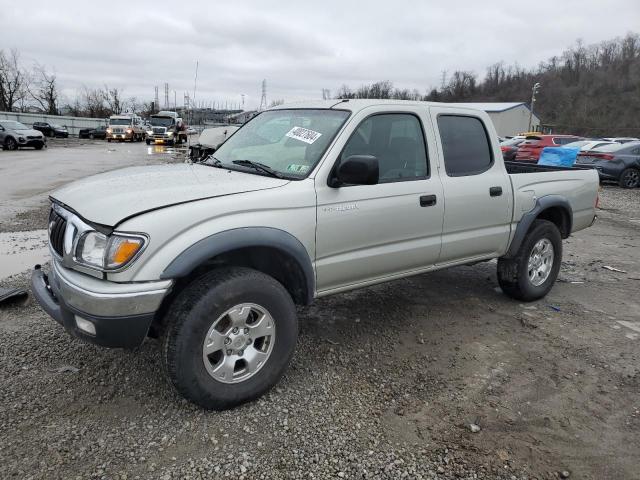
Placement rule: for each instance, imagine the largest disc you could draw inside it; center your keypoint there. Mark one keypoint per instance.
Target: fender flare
(542, 203)
(237, 238)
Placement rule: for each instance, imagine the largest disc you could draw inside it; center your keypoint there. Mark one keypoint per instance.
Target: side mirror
(356, 170)
(1, 128)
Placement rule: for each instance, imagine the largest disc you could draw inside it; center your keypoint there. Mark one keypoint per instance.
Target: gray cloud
(298, 47)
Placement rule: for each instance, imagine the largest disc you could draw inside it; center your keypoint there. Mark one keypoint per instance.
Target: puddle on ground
(177, 153)
(20, 251)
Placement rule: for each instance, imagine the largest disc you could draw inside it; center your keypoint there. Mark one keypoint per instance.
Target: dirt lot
(384, 384)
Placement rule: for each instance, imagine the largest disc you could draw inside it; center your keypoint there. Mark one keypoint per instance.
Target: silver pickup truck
(301, 202)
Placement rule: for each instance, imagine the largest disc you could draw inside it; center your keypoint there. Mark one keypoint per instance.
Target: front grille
(159, 130)
(57, 227)
(33, 137)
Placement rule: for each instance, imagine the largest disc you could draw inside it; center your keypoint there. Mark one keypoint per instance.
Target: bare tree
(113, 97)
(44, 90)
(13, 81)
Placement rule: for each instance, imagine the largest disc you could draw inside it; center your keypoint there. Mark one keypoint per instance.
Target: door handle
(428, 200)
(495, 191)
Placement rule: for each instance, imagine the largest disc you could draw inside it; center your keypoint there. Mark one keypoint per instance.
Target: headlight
(129, 130)
(91, 248)
(170, 134)
(108, 130)
(149, 132)
(108, 252)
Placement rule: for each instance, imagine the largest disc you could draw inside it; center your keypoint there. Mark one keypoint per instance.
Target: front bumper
(120, 314)
(32, 142)
(120, 136)
(160, 138)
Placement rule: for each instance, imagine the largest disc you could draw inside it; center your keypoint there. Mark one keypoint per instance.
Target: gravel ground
(386, 382)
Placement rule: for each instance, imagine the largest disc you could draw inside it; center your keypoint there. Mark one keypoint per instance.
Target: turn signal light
(122, 250)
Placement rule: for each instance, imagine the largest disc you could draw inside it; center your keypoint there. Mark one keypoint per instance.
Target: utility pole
(166, 96)
(534, 91)
(263, 99)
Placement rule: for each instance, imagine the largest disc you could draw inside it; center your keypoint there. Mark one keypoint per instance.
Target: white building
(509, 118)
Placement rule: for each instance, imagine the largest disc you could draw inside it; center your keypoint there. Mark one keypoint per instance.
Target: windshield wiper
(212, 161)
(260, 167)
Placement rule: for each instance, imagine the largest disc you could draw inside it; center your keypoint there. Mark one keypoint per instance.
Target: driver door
(371, 233)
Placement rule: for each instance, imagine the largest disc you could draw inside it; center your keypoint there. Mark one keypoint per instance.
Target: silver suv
(14, 135)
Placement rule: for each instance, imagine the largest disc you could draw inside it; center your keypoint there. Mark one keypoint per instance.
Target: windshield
(11, 125)
(119, 121)
(161, 121)
(288, 141)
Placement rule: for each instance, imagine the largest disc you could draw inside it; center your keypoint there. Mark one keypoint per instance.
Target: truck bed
(530, 182)
(530, 167)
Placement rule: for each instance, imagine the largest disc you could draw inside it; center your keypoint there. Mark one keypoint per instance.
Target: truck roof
(165, 113)
(355, 105)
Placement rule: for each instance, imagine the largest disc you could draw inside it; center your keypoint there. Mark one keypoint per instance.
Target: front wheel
(629, 178)
(11, 144)
(532, 272)
(148, 142)
(229, 337)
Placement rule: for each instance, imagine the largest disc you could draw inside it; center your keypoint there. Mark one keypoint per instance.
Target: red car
(530, 149)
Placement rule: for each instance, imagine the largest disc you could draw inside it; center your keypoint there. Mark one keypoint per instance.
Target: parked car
(530, 149)
(98, 132)
(622, 139)
(617, 162)
(209, 140)
(51, 129)
(586, 145)
(14, 135)
(510, 147)
(299, 203)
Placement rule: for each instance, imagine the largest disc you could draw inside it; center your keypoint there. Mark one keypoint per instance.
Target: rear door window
(465, 145)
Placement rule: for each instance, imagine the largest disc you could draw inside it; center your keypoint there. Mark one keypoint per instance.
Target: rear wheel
(532, 272)
(629, 178)
(229, 337)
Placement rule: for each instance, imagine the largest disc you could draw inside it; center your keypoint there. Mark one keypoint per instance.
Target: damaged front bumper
(101, 312)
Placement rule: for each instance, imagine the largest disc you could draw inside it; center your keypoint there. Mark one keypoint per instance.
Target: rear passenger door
(477, 189)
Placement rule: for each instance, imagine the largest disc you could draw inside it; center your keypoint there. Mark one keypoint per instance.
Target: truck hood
(112, 197)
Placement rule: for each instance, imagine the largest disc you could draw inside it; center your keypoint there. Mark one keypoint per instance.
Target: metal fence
(73, 124)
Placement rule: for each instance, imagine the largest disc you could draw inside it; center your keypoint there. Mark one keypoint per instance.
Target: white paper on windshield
(303, 134)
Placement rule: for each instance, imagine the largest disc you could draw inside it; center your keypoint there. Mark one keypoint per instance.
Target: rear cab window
(465, 145)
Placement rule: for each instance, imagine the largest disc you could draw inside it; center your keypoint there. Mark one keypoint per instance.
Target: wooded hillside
(588, 90)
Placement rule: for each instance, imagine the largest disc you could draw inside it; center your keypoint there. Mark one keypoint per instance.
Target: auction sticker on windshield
(303, 134)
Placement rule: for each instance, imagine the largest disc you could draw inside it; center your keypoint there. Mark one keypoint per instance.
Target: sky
(298, 47)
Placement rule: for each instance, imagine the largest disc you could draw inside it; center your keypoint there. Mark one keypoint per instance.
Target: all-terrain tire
(514, 273)
(629, 178)
(194, 311)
